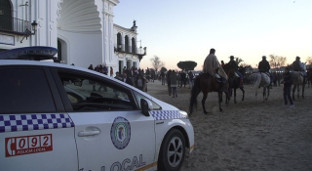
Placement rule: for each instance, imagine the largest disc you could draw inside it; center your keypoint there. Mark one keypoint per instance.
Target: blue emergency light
(30, 53)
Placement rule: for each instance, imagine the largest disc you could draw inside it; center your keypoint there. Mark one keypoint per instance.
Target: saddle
(219, 80)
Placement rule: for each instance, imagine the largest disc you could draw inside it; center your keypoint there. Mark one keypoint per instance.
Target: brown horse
(206, 83)
(234, 82)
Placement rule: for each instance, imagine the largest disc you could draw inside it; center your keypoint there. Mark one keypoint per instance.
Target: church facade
(83, 31)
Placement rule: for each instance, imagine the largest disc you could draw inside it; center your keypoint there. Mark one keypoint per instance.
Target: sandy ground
(249, 135)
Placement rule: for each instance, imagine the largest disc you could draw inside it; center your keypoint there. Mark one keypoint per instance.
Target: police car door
(35, 133)
(111, 132)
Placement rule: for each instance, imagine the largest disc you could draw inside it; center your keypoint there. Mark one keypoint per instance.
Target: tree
(156, 62)
(163, 69)
(277, 61)
(187, 65)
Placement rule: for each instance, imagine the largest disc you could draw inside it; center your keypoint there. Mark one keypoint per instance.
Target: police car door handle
(88, 133)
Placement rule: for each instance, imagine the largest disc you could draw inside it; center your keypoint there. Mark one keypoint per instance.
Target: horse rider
(232, 64)
(213, 67)
(264, 67)
(298, 66)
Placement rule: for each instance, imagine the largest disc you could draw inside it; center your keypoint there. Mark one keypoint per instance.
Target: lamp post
(30, 32)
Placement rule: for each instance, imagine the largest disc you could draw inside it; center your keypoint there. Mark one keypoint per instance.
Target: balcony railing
(13, 25)
(130, 50)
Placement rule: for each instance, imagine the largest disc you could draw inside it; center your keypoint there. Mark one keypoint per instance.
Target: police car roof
(30, 53)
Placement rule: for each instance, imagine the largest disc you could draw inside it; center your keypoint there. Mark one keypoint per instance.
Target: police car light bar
(30, 53)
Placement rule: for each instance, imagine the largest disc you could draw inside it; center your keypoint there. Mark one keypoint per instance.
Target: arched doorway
(62, 55)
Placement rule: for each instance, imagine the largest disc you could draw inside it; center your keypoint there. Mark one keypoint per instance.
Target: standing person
(174, 83)
(169, 82)
(140, 82)
(104, 69)
(90, 67)
(127, 79)
(213, 67)
(191, 79)
(287, 87)
(111, 72)
(118, 77)
(163, 77)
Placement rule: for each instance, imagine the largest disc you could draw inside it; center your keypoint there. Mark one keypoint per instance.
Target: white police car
(61, 117)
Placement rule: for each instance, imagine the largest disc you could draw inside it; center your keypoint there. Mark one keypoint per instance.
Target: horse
(235, 82)
(206, 83)
(298, 81)
(262, 80)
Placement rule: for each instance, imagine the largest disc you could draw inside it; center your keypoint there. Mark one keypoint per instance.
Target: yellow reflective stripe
(147, 166)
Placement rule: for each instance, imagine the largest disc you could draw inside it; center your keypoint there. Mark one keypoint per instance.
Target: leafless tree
(277, 61)
(156, 63)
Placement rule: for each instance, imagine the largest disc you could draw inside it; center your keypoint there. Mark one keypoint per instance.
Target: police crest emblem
(120, 132)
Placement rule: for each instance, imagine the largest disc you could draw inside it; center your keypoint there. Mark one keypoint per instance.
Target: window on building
(119, 42)
(134, 50)
(127, 43)
(5, 15)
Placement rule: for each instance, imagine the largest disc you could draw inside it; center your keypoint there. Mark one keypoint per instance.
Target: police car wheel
(172, 151)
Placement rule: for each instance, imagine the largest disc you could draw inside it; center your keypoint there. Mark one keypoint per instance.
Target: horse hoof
(205, 113)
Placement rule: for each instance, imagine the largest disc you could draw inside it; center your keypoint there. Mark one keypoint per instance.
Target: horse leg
(194, 93)
(243, 93)
(298, 91)
(303, 91)
(268, 93)
(235, 95)
(193, 101)
(227, 97)
(220, 100)
(293, 92)
(204, 101)
(256, 94)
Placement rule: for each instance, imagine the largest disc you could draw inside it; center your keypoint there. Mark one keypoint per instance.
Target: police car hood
(164, 105)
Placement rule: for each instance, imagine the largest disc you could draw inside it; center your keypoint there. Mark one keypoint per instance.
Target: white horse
(262, 80)
(298, 81)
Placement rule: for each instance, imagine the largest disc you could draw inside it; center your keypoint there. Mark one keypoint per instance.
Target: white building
(82, 30)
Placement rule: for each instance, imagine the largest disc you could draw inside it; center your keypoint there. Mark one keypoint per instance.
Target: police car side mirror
(146, 106)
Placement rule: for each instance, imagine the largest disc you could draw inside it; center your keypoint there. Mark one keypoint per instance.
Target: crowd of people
(174, 79)
(133, 76)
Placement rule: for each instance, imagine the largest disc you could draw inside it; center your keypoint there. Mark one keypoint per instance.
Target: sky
(183, 30)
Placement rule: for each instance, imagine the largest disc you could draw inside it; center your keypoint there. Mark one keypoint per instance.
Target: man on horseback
(233, 65)
(264, 67)
(297, 65)
(213, 67)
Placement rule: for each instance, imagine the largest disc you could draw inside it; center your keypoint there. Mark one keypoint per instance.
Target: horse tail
(194, 93)
(256, 79)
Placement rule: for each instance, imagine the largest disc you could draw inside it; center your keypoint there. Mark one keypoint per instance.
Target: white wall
(83, 48)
